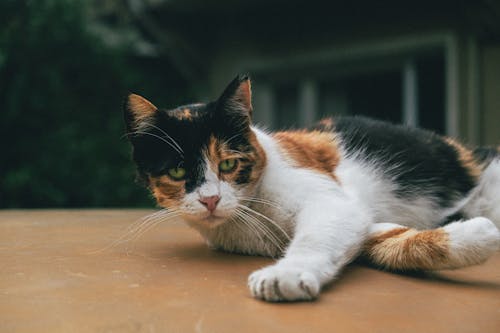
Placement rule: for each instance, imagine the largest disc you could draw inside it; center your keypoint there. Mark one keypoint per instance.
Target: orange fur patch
(218, 151)
(140, 107)
(408, 249)
(326, 124)
(466, 158)
(385, 235)
(167, 192)
(182, 114)
(313, 150)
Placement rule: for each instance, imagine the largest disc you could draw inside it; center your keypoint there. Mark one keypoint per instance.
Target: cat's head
(201, 159)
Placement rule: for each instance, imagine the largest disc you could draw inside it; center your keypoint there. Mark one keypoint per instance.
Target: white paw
(485, 232)
(283, 283)
(473, 241)
(479, 231)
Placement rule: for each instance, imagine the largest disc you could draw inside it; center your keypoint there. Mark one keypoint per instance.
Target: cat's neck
(280, 181)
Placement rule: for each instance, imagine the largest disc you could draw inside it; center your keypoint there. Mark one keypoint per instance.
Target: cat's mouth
(212, 216)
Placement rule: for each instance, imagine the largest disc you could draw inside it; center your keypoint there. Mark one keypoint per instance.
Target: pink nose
(210, 202)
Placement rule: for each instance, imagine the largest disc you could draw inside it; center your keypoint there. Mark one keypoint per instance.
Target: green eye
(227, 165)
(177, 173)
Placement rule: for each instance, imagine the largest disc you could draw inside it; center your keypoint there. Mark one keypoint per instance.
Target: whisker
(252, 227)
(152, 224)
(235, 219)
(153, 219)
(267, 231)
(267, 218)
(271, 234)
(248, 210)
(138, 226)
(158, 137)
(147, 217)
(249, 226)
(146, 227)
(262, 201)
(166, 134)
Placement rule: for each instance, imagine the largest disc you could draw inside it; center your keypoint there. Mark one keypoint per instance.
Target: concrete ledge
(52, 279)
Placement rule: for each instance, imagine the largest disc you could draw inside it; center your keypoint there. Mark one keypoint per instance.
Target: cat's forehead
(193, 127)
(190, 125)
(189, 112)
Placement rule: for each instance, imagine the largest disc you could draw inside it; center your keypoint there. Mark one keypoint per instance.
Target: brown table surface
(52, 279)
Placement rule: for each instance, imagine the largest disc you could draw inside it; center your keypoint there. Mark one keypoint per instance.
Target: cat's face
(201, 160)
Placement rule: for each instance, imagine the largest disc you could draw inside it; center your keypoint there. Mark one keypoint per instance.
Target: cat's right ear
(137, 110)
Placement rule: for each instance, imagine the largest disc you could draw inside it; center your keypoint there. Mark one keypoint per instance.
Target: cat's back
(419, 162)
(406, 175)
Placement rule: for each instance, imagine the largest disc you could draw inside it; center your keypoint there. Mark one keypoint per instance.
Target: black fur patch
(244, 173)
(419, 161)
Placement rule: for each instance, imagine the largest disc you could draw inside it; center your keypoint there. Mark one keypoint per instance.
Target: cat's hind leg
(456, 245)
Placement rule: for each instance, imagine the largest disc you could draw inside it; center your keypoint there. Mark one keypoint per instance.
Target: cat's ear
(137, 110)
(236, 100)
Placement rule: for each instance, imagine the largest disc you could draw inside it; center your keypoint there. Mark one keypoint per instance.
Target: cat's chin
(213, 221)
(206, 220)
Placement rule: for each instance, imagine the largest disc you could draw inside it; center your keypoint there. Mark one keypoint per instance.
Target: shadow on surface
(435, 277)
(441, 277)
(201, 252)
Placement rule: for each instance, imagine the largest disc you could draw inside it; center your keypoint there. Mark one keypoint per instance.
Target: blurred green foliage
(61, 92)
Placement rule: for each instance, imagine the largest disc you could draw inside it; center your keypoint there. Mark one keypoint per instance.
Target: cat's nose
(210, 202)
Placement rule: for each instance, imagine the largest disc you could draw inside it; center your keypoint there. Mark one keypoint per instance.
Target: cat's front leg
(329, 233)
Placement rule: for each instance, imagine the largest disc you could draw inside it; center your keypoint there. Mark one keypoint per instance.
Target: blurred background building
(65, 66)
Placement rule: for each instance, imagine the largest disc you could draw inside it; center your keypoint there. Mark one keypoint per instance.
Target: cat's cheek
(168, 194)
(229, 200)
(166, 202)
(245, 190)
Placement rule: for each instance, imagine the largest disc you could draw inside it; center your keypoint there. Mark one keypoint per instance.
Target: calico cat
(404, 198)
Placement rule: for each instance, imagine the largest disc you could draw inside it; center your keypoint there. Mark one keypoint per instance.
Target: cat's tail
(456, 245)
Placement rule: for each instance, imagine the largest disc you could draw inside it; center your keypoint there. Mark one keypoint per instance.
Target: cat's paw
(283, 283)
(472, 242)
(486, 232)
(479, 233)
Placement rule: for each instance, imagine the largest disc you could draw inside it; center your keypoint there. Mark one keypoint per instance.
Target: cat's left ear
(236, 100)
